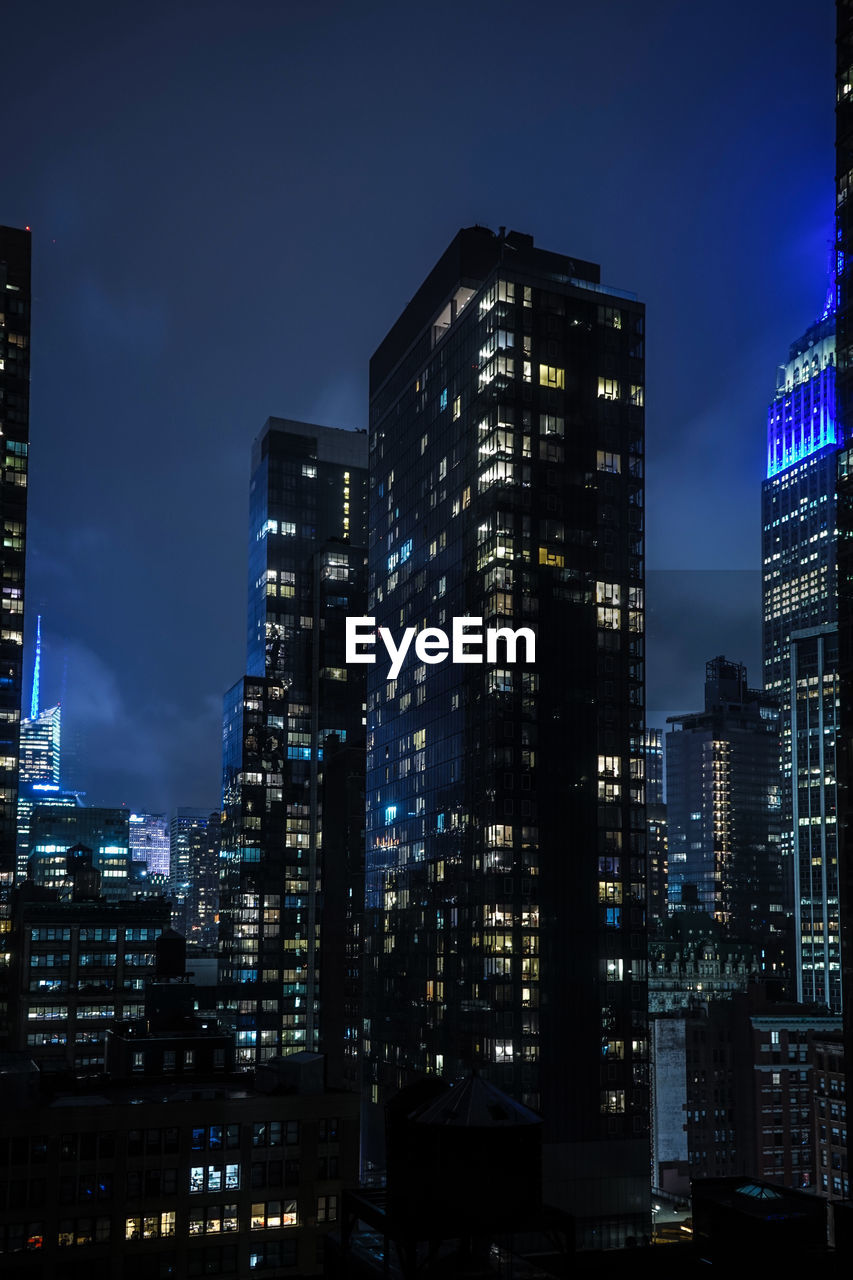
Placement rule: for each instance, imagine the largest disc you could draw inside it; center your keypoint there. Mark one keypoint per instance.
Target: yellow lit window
(551, 376)
(549, 557)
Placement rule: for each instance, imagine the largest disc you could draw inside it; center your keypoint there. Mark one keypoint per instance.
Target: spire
(831, 288)
(34, 706)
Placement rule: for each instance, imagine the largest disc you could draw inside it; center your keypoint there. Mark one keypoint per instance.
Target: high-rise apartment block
(505, 861)
(800, 613)
(307, 539)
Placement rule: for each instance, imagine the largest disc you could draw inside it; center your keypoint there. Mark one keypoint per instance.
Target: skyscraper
(724, 811)
(505, 862)
(40, 746)
(150, 842)
(844, 389)
(14, 431)
(307, 550)
(800, 610)
(194, 873)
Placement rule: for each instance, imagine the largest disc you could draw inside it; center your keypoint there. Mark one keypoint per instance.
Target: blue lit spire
(34, 705)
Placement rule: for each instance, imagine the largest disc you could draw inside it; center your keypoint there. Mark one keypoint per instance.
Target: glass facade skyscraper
(307, 540)
(505, 860)
(800, 613)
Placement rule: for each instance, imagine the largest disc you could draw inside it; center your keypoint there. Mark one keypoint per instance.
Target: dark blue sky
(230, 205)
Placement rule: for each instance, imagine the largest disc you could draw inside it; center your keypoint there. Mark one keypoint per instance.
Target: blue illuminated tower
(34, 707)
(800, 649)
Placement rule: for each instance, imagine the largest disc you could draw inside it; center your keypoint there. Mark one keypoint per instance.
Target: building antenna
(34, 706)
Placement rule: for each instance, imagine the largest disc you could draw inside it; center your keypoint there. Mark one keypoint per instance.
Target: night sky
(231, 204)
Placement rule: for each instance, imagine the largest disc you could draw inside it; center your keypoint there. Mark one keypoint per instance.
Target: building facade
(812, 713)
(505, 858)
(14, 423)
(76, 968)
(830, 1116)
(724, 812)
(735, 1086)
(15, 300)
(176, 1174)
(56, 828)
(150, 841)
(308, 519)
(194, 873)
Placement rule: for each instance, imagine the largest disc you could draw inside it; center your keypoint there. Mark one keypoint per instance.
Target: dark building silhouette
(723, 812)
(307, 540)
(830, 1116)
(343, 910)
(505, 860)
(184, 1172)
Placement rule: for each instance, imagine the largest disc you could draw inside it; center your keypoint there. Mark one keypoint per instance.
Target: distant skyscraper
(800, 597)
(194, 874)
(307, 540)
(14, 433)
(724, 811)
(506, 860)
(41, 741)
(150, 842)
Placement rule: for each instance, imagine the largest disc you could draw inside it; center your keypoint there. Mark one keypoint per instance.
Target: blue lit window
(439, 822)
(390, 813)
(405, 551)
(443, 401)
(613, 917)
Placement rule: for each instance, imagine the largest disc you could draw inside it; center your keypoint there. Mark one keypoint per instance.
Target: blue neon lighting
(801, 422)
(34, 705)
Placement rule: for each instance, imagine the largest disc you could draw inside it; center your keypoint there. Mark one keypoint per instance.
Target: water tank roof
(475, 1104)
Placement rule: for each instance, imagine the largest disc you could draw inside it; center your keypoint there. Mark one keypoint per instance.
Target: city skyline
(128, 540)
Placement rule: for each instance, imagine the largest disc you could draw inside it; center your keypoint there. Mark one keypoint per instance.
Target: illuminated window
(611, 462)
(553, 558)
(609, 619)
(608, 388)
(612, 1101)
(551, 376)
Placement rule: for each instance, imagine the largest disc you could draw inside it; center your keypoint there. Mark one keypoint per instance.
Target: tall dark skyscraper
(307, 572)
(800, 609)
(505, 862)
(14, 435)
(724, 810)
(14, 429)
